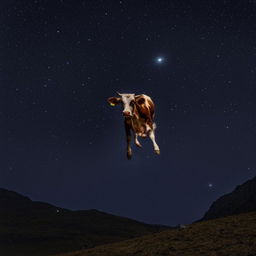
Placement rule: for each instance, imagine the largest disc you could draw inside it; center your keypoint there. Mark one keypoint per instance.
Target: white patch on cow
(136, 140)
(126, 99)
(147, 128)
(152, 137)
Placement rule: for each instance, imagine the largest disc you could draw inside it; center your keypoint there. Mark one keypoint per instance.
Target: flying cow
(138, 112)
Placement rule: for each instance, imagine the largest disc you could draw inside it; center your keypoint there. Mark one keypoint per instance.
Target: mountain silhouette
(36, 228)
(241, 200)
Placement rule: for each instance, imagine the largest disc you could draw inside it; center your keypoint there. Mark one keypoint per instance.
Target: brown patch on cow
(140, 100)
(145, 108)
(152, 108)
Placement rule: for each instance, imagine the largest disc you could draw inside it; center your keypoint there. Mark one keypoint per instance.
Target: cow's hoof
(129, 156)
(157, 151)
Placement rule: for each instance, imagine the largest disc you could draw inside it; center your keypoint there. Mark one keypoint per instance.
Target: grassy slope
(229, 236)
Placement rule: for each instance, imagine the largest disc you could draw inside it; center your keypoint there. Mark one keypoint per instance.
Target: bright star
(159, 60)
(210, 185)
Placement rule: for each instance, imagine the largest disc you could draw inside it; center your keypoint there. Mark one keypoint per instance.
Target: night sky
(62, 143)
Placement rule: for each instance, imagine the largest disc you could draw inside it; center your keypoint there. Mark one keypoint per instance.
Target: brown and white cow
(138, 112)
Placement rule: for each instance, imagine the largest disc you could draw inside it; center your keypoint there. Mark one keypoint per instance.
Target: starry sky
(62, 143)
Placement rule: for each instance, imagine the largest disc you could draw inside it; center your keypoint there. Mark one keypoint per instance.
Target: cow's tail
(154, 126)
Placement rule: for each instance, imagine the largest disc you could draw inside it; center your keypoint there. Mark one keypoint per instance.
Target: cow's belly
(139, 127)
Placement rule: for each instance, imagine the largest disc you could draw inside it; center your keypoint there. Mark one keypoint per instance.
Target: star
(210, 185)
(159, 59)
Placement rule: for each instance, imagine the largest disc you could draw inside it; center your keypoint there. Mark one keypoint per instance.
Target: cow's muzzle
(127, 114)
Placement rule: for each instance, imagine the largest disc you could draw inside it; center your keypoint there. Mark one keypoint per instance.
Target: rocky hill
(241, 200)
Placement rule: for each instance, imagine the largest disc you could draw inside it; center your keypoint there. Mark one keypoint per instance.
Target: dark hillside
(229, 236)
(36, 228)
(241, 200)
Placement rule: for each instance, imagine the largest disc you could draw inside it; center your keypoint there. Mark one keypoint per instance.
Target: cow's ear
(140, 100)
(114, 101)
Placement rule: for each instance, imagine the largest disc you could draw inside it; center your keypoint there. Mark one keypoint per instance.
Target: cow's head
(128, 101)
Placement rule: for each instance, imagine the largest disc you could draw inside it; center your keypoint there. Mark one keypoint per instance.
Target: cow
(138, 112)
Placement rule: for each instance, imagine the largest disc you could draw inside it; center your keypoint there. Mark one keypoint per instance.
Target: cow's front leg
(136, 140)
(128, 139)
(152, 137)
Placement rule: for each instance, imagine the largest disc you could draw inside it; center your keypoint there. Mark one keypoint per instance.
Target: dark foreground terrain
(40, 229)
(228, 228)
(228, 236)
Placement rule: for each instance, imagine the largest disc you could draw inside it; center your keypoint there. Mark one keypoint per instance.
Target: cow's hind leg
(128, 140)
(137, 143)
(152, 137)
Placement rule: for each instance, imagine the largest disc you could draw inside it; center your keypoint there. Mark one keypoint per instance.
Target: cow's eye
(132, 103)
